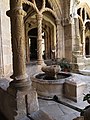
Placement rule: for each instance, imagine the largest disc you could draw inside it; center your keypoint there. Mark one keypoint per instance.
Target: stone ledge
(85, 72)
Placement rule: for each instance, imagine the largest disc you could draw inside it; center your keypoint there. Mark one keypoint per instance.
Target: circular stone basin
(49, 86)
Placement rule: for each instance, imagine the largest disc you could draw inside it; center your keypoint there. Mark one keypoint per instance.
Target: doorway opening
(33, 43)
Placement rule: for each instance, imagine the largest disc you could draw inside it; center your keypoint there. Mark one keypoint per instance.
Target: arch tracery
(41, 12)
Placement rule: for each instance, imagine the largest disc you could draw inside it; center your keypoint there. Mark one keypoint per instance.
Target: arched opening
(48, 43)
(87, 39)
(48, 27)
(84, 29)
(33, 43)
(87, 47)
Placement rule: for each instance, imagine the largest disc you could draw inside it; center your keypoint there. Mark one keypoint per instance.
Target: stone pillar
(77, 38)
(77, 58)
(57, 40)
(83, 43)
(21, 97)
(39, 40)
(67, 38)
(16, 14)
(1, 51)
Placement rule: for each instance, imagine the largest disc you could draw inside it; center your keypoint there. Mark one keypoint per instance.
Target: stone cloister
(62, 31)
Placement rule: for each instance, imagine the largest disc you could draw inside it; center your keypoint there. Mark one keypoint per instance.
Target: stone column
(57, 38)
(83, 43)
(58, 41)
(16, 14)
(39, 40)
(20, 97)
(1, 51)
(77, 38)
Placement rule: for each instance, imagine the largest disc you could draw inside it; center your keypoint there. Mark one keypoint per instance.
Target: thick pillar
(67, 38)
(77, 37)
(59, 40)
(77, 58)
(39, 40)
(16, 14)
(20, 98)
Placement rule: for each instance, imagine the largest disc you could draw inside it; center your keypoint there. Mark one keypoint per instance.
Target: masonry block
(74, 89)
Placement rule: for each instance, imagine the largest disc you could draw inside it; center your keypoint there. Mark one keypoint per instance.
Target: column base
(40, 62)
(20, 82)
(20, 85)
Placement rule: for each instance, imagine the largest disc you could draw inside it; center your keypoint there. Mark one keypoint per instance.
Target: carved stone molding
(65, 21)
(17, 11)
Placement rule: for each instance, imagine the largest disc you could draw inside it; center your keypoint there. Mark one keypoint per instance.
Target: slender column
(16, 14)
(83, 43)
(57, 39)
(81, 12)
(39, 40)
(85, 14)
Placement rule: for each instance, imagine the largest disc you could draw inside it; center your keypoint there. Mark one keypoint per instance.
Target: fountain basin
(47, 86)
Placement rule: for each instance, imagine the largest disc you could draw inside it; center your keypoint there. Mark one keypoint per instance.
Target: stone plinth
(74, 89)
(15, 104)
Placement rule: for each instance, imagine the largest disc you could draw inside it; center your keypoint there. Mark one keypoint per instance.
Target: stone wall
(5, 40)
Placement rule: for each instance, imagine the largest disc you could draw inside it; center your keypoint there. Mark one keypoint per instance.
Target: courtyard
(55, 110)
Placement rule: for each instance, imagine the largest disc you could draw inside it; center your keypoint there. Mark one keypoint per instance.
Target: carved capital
(16, 11)
(65, 21)
(19, 12)
(58, 21)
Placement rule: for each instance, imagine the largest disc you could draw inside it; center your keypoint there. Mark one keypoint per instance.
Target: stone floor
(55, 110)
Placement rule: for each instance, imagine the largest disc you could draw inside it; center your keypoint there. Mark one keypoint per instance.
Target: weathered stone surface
(51, 71)
(48, 88)
(40, 115)
(74, 89)
(15, 104)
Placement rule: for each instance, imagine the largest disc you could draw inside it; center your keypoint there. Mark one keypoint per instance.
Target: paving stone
(40, 115)
(66, 110)
(53, 110)
(25, 118)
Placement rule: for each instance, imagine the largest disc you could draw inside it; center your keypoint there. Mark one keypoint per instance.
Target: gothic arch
(84, 18)
(56, 4)
(53, 13)
(48, 27)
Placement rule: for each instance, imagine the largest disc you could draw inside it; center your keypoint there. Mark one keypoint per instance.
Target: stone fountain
(50, 81)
